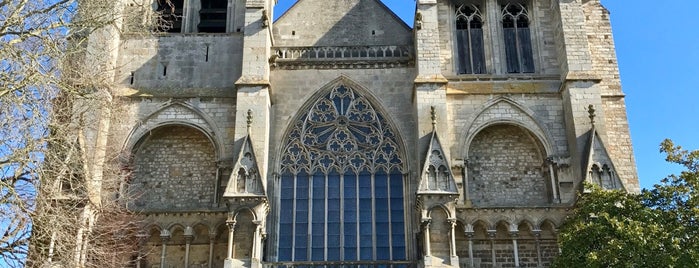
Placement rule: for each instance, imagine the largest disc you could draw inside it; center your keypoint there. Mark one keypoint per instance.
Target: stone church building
(339, 136)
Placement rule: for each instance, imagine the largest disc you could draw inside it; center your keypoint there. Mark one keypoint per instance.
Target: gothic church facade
(338, 136)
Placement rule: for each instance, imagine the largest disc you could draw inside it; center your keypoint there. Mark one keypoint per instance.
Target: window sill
(502, 77)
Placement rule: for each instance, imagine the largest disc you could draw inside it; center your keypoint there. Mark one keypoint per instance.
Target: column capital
(231, 225)
(514, 231)
(491, 234)
(188, 231)
(514, 234)
(425, 222)
(165, 235)
(537, 233)
(452, 221)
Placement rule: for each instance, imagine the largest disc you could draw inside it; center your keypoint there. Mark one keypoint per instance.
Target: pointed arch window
(469, 40)
(518, 42)
(341, 188)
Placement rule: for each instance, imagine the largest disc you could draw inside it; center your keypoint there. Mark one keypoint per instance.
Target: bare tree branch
(47, 187)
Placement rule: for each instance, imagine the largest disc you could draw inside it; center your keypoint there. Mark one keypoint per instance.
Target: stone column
(230, 16)
(426, 229)
(554, 185)
(188, 237)
(217, 184)
(467, 196)
(212, 240)
(256, 244)
(537, 236)
(454, 258)
(452, 224)
(231, 233)
(469, 235)
(514, 234)
(165, 237)
(491, 236)
(142, 238)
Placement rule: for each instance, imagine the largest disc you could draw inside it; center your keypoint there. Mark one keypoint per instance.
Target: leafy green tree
(656, 228)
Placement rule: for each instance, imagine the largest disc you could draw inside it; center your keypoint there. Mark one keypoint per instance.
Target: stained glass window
(341, 187)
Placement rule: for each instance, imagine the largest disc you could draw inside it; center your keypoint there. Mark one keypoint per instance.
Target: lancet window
(469, 40)
(341, 188)
(518, 42)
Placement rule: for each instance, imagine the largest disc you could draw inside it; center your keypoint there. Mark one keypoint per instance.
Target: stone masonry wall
(506, 168)
(545, 109)
(440, 231)
(604, 60)
(340, 23)
(175, 169)
(542, 36)
(504, 251)
(180, 60)
(211, 111)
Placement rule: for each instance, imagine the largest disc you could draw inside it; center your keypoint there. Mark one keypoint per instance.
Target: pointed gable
(340, 23)
(436, 176)
(245, 179)
(599, 168)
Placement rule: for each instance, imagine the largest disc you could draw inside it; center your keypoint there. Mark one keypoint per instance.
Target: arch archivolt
(484, 238)
(243, 210)
(184, 223)
(535, 220)
(175, 112)
(503, 110)
(442, 208)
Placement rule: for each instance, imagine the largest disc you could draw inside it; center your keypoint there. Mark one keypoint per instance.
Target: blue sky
(658, 58)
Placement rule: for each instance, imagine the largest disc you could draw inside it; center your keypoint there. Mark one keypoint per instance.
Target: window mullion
(325, 242)
(309, 234)
(358, 220)
(373, 214)
(390, 219)
(293, 220)
(518, 45)
(470, 45)
(342, 216)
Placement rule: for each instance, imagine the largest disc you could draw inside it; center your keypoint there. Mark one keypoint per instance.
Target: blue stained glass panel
(333, 220)
(366, 238)
(366, 253)
(301, 230)
(286, 218)
(396, 185)
(318, 219)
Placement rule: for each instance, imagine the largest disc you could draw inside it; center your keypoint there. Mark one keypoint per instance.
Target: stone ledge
(170, 92)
